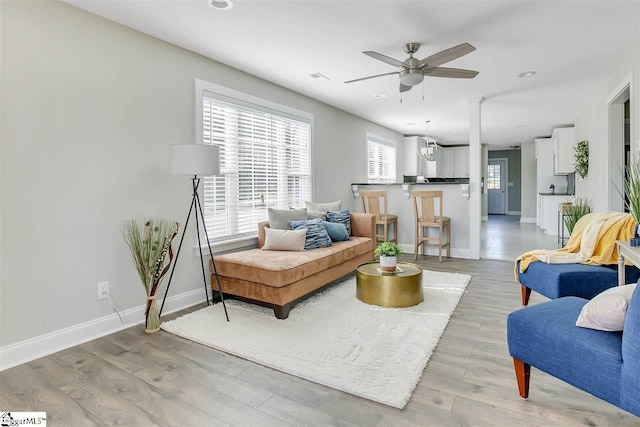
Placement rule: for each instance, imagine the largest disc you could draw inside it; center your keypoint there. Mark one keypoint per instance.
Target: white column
(475, 160)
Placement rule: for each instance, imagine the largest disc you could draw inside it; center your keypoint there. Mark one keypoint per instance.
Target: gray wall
(513, 177)
(89, 109)
(528, 190)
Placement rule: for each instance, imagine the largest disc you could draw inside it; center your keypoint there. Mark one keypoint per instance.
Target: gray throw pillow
(279, 218)
(318, 215)
(324, 207)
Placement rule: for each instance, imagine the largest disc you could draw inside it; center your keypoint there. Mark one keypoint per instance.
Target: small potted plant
(572, 213)
(388, 253)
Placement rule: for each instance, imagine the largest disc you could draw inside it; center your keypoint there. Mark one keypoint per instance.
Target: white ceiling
(572, 45)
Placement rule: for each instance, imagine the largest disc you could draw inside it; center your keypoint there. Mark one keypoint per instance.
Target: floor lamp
(194, 160)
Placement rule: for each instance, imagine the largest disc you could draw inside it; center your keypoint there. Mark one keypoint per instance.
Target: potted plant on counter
(388, 253)
(572, 213)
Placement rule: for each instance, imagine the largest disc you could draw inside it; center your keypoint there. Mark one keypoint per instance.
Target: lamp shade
(195, 159)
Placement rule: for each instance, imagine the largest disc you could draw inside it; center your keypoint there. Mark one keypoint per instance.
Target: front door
(496, 186)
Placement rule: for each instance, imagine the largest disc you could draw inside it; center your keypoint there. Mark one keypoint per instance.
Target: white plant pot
(388, 263)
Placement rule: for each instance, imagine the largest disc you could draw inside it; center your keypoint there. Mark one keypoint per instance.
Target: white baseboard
(513, 212)
(455, 252)
(528, 220)
(484, 218)
(43, 345)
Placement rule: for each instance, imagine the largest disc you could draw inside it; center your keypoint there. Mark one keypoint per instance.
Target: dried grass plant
(150, 245)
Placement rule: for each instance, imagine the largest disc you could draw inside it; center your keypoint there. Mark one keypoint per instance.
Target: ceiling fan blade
(404, 88)
(456, 73)
(383, 58)
(446, 55)
(372, 77)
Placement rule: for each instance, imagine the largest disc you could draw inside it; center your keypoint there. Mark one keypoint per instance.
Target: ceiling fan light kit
(411, 71)
(221, 4)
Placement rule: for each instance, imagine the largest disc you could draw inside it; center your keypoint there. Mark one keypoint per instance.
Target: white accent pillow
(284, 240)
(607, 310)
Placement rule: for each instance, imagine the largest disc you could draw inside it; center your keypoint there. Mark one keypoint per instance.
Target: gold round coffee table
(400, 289)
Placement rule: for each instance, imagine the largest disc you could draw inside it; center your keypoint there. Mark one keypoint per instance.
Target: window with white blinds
(381, 159)
(265, 163)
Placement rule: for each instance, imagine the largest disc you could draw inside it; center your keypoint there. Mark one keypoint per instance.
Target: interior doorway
(497, 187)
(619, 135)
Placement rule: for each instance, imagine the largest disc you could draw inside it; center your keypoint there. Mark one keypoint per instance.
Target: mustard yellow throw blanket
(591, 242)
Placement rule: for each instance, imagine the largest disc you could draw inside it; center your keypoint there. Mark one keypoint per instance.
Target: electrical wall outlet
(103, 290)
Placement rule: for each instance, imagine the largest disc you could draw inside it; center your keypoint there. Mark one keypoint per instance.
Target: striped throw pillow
(317, 236)
(342, 217)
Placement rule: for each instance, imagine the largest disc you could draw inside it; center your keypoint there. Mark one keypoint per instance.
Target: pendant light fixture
(427, 148)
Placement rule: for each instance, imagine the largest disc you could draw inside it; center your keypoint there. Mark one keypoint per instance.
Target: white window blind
(265, 163)
(381, 160)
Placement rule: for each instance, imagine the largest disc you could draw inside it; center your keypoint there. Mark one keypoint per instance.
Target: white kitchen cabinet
(412, 162)
(549, 212)
(564, 141)
(432, 169)
(447, 163)
(455, 162)
(461, 162)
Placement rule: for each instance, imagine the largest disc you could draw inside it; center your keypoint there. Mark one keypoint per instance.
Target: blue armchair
(604, 364)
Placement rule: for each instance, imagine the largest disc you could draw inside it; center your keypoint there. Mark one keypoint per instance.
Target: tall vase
(152, 322)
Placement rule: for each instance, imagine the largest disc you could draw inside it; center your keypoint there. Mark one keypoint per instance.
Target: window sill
(227, 246)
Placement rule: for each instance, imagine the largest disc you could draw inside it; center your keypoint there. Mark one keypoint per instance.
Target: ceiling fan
(413, 70)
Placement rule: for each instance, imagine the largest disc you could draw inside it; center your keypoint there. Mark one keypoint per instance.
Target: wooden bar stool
(424, 209)
(375, 202)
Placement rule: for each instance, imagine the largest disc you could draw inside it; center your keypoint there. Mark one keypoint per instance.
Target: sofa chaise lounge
(280, 279)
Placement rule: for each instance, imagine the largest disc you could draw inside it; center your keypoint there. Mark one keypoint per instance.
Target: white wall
(591, 124)
(89, 109)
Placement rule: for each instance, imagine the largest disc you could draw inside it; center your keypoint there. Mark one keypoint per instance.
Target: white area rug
(334, 339)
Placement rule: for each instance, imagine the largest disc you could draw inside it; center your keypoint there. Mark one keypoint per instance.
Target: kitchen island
(399, 202)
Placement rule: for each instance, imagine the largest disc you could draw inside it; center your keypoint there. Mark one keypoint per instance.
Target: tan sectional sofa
(279, 279)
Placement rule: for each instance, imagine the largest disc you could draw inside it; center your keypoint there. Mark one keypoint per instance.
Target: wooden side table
(400, 289)
(629, 253)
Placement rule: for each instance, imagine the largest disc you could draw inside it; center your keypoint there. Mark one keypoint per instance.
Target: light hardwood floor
(129, 378)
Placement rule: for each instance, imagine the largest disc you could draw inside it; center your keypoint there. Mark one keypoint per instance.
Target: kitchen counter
(432, 181)
(555, 194)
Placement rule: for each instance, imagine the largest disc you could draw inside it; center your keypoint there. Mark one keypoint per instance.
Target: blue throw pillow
(317, 236)
(342, 217)
(337, 231)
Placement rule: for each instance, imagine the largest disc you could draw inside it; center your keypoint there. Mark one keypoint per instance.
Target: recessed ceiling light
(411, 124)
(222, 4)
(527, 74)
(379, 95)
(319, 76)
